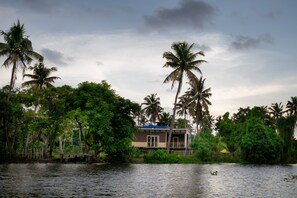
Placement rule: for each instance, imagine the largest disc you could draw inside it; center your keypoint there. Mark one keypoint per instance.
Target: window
(152, 140)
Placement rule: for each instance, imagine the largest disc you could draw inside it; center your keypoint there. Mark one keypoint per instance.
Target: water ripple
(147, 180)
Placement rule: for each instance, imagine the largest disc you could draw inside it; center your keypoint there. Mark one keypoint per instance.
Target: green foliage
(259, 143)
(231, 129)
(228, 130)
(181, 123)
(294, 152)
(251, 133)
(204, 146)
(152, 107)
(285, 127)
(164, 119)
(123, 130)
(105, 121)
(160, 156)
(89, 119)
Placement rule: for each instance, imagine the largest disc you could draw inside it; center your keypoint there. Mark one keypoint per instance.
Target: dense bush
(160, 156)
(204, 146)
(260, 144)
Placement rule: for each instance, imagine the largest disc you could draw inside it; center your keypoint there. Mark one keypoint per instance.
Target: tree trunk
(12, 79)
(197, 128)
(6, 135)
(61, 145)
(80, 133)
(26, 146)
(32, 149)
(50, 147)
(173, 116)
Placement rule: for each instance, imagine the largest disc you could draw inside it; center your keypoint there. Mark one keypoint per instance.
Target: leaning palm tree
(41, 76)
(199, 100)
(276, 110)
(153, 108)
(18, 50)
(183, 61)
(292, 106)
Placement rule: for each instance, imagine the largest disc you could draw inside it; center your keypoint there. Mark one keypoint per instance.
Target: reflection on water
(147, 180)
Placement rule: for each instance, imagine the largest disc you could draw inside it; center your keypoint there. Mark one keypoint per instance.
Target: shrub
(160, 156)
(204, 146)
(260, 144)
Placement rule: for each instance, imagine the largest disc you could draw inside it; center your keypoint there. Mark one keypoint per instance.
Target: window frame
(152, 141)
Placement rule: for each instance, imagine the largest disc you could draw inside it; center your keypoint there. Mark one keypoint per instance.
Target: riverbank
(157, 157)
(79, 160)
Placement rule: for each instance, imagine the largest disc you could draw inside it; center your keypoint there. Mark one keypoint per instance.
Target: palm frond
(173, 76)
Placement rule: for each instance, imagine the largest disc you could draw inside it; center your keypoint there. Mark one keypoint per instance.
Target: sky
(249, 46)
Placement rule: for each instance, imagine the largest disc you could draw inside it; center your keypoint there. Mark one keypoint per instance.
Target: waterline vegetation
(40, 121)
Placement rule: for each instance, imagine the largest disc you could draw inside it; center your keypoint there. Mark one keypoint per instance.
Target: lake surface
(147, 180)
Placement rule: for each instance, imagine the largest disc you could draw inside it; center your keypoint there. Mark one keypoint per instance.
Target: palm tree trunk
(173, 116)
(12, 79)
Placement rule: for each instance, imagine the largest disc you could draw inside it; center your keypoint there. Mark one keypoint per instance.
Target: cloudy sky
(250, 46)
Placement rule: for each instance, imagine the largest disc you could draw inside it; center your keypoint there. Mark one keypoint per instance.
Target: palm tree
(153, 108)
(292, 106)
(41, 76)
(142, 120)
(140, 117)
(182, 61)
(18, 50)
(276, 110)
(182, 106)
(164, 119)
(207, 122)
(199, 100)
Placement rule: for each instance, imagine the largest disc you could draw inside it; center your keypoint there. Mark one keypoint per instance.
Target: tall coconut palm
(153, 108)
(41, 76)
(199, 100)
(18, 50)
(276, 110)
(183, 62)
(292, 106)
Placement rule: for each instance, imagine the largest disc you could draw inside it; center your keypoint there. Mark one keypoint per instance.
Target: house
(152, 137)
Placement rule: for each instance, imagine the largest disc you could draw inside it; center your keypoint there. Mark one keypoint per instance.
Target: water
(147, 180)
